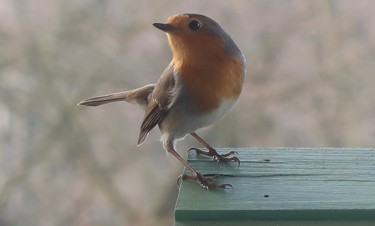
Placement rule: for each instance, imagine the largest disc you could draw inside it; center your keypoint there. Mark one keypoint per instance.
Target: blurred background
(310, 82)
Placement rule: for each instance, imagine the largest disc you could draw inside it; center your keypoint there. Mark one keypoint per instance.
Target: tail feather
(139, 96)
(99, 100)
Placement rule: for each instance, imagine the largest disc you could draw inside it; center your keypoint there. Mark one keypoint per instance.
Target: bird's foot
(227, 157)
(207, 182)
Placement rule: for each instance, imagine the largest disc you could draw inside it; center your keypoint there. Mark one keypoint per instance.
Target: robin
(200, 85)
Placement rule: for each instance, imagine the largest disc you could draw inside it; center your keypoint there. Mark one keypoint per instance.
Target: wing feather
(158, 106)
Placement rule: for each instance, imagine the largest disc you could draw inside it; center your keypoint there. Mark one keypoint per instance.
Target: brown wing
(157, 107)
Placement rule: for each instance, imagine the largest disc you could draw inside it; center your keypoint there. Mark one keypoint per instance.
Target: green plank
(275, 223)
(284, 184)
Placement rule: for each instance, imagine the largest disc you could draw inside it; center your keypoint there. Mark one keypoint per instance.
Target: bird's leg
(206, 182)
(227, 157)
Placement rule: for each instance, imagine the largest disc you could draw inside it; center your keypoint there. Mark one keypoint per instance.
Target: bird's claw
(229, 154)
(227, 157)
(207, 182)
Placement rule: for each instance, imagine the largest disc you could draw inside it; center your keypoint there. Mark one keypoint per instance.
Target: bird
(201, 84)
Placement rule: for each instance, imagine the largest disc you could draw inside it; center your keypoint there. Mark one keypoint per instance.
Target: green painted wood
(283, 185)
(275, 223)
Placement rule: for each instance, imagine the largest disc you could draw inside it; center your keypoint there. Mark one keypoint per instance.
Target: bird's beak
(164, 27)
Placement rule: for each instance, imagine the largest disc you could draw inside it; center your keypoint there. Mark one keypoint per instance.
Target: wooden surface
(278, 186)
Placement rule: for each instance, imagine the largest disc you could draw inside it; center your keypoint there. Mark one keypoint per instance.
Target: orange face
(191, 38)
(205, 58)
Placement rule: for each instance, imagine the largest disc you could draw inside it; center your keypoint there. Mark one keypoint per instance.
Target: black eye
(194, 25)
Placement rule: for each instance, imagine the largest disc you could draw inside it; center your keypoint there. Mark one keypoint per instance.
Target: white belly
(180, 123)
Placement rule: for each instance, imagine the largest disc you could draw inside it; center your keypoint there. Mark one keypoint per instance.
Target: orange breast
(208, 72)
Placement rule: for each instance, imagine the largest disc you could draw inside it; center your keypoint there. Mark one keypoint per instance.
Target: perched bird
(200, 86)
